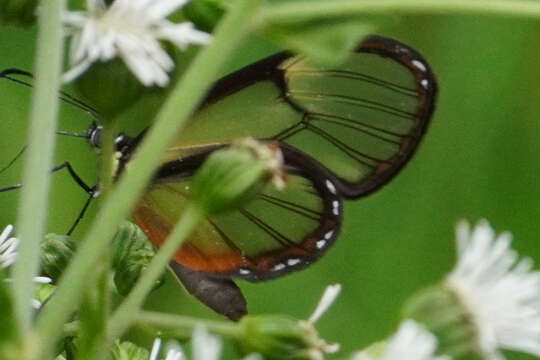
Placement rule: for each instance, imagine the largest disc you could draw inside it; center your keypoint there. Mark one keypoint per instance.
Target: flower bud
(439, 310)
(132, 252)
(56, 252)
(281, 337)
(129, 351)
(18, 12)
(231, 176)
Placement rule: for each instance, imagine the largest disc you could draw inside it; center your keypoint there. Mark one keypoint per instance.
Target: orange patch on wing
(157, 229)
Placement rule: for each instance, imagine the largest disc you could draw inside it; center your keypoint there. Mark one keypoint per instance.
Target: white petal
(5, 233)
(155, 349)
(411, 342)
(328, 298)
(204, 345)
(174, 351)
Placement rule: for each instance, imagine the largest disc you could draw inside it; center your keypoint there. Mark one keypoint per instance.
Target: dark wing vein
(224, 236)
(357, 122)
(364, 103)
(273, 233)
(362, 77)
(353, 153)
(358, 127)
(296, 208)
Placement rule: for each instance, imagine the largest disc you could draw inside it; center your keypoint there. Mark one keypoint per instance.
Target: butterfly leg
(90, 190)
(221, 295)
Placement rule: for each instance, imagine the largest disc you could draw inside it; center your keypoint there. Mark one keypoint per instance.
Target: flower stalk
(294, 12)
(180, 326)
(39, 158)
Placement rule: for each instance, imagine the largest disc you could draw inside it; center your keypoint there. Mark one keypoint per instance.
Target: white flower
(8, 255)
(130, 29)
(411, 342)
(173, 351)
(500, 292)
(204, 347)
(8, 247)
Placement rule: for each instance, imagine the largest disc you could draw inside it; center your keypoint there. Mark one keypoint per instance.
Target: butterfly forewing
(362, 120)
(345, 131)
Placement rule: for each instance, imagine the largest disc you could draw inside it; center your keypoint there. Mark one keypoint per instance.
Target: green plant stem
(181, 103)
(39, 158)
(98, 300)
(107, 161)
(294, 12)
(122, 318)
(182, 326)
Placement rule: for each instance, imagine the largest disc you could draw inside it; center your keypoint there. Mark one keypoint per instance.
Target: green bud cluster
(441, 312)
(280, 337)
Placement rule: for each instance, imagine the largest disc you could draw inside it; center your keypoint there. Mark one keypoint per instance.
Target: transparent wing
(275, 233)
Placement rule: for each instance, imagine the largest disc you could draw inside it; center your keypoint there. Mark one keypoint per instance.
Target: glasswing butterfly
(344, 131)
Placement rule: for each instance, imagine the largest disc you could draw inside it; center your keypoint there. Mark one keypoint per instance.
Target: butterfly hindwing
(275, 233)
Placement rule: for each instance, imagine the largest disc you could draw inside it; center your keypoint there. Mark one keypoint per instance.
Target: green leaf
(9, 334)
(43, 291)
(326, 42)
(132, 252)
(56, 252)
(129, 351)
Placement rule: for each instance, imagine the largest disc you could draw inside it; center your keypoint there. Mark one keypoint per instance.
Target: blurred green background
(480, 159)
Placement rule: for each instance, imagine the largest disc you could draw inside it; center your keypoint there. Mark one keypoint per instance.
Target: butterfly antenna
(14, 159)
(9, 74)
(65, 133)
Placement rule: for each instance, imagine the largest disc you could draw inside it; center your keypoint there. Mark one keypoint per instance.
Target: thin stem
(122, 318)
(107, 154)
(39, 158)
(293, 12)
(181, 103)
(182, 326)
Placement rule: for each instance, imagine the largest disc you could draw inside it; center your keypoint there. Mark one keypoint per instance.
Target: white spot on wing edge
(320, 244)
(292, 262)
(424, 83)
(419, 65)
(330, 186)
(329, 234)
(244, 271)
(278, 267)
(335, 207)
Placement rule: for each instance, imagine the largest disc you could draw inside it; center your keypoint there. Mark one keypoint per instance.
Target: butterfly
(344, 132)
